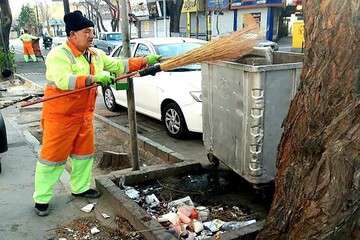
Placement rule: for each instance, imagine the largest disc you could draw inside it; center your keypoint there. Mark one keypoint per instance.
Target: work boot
(42, 209)
(33, 57)
(91, 193)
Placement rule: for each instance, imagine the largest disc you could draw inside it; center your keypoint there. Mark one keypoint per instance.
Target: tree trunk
(175, 13)
(99, 20)
(5, 24)
(317, 192)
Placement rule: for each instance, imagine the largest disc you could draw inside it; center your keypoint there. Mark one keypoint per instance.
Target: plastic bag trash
(94, 230)
(122, 183)
(88, 208)
(183, 218)
(69, 230)
(236, 208)
(132, 193)
(180, 202)
(203, 213)
(197, 226)
(186, 210)
(171, 217)
(204, 234)
(105, 215)
(191, 236)
(189, 211)
(152, 200)
(230, 226)
(62, 239)
(214, 225)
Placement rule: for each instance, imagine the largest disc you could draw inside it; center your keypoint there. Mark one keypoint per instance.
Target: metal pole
(164, 15)
(66, 6)
(37, 19)
(207, 23)
(197, 19)
(134, 151)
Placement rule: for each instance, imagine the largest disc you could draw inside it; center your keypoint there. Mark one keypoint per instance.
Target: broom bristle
(230, 47)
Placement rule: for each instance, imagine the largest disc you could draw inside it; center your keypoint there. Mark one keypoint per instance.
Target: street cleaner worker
(67, 122)
(26, 38)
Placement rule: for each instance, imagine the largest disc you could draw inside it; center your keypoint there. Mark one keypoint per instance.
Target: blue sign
(218, 4)
(254, 3)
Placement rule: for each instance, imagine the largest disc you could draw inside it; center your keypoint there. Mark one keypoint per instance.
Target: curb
(28, 82)
(164, 153)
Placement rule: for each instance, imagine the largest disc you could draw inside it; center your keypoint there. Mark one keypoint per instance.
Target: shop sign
(218, 4)
(139, 8)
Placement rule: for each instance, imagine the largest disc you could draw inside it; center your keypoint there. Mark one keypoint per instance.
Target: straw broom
(231, 47)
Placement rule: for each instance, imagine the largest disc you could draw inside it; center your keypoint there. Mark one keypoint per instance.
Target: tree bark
(175, 13)
(5, 24)
(317, 192)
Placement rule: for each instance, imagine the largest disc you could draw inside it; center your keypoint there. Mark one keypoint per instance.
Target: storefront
(193, 20)
(227, 16)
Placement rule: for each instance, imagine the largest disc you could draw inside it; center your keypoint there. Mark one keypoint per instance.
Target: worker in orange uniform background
(26, 38)
(68, 121)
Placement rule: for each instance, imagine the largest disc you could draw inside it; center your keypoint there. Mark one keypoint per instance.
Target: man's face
(82, 38)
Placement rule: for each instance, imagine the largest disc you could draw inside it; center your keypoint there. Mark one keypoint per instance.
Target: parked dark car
(3, 137)
(108, 41)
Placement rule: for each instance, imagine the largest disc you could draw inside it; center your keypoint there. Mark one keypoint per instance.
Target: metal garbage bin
(243, 110)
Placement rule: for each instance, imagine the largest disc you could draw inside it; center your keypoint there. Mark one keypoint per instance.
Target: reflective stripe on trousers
(46, 176)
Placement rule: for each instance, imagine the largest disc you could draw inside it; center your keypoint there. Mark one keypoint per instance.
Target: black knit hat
(75, 21)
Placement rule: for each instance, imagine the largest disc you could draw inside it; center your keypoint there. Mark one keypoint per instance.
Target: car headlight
(196, 95)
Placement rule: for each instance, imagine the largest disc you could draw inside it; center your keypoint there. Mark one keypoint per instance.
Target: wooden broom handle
(44, 99)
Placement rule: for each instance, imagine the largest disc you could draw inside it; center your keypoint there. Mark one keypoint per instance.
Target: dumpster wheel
(213, 159)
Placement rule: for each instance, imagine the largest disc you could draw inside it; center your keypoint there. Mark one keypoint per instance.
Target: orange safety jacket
(67, 121)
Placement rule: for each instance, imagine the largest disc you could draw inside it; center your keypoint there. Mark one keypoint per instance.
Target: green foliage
(7, 60)
(27, 17)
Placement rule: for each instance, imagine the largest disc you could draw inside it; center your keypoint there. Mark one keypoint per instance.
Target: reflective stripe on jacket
(68, 69)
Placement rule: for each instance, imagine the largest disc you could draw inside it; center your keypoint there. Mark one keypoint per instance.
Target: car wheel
(174, 121)
(109, 99)
(109, 51)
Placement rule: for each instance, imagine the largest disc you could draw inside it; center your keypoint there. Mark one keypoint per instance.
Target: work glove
(104, 78)
(152, 59)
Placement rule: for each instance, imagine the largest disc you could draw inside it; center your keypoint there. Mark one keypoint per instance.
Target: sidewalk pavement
(17, 217)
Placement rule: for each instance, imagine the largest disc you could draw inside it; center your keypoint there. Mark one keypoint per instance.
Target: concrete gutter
(127, 208)
(138, 217)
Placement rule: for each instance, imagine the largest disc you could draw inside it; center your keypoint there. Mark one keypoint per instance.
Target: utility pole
(66, 6)
(164, 15)
(38, 20)
(197, 18)
(130, 92)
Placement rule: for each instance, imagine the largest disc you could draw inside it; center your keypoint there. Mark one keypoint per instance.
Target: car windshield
(114, 37)
(174, 49)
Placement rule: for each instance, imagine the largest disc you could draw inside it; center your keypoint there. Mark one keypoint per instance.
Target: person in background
(27, 39)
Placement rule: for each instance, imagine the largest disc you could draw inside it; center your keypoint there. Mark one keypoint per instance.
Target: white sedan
(174, 97)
